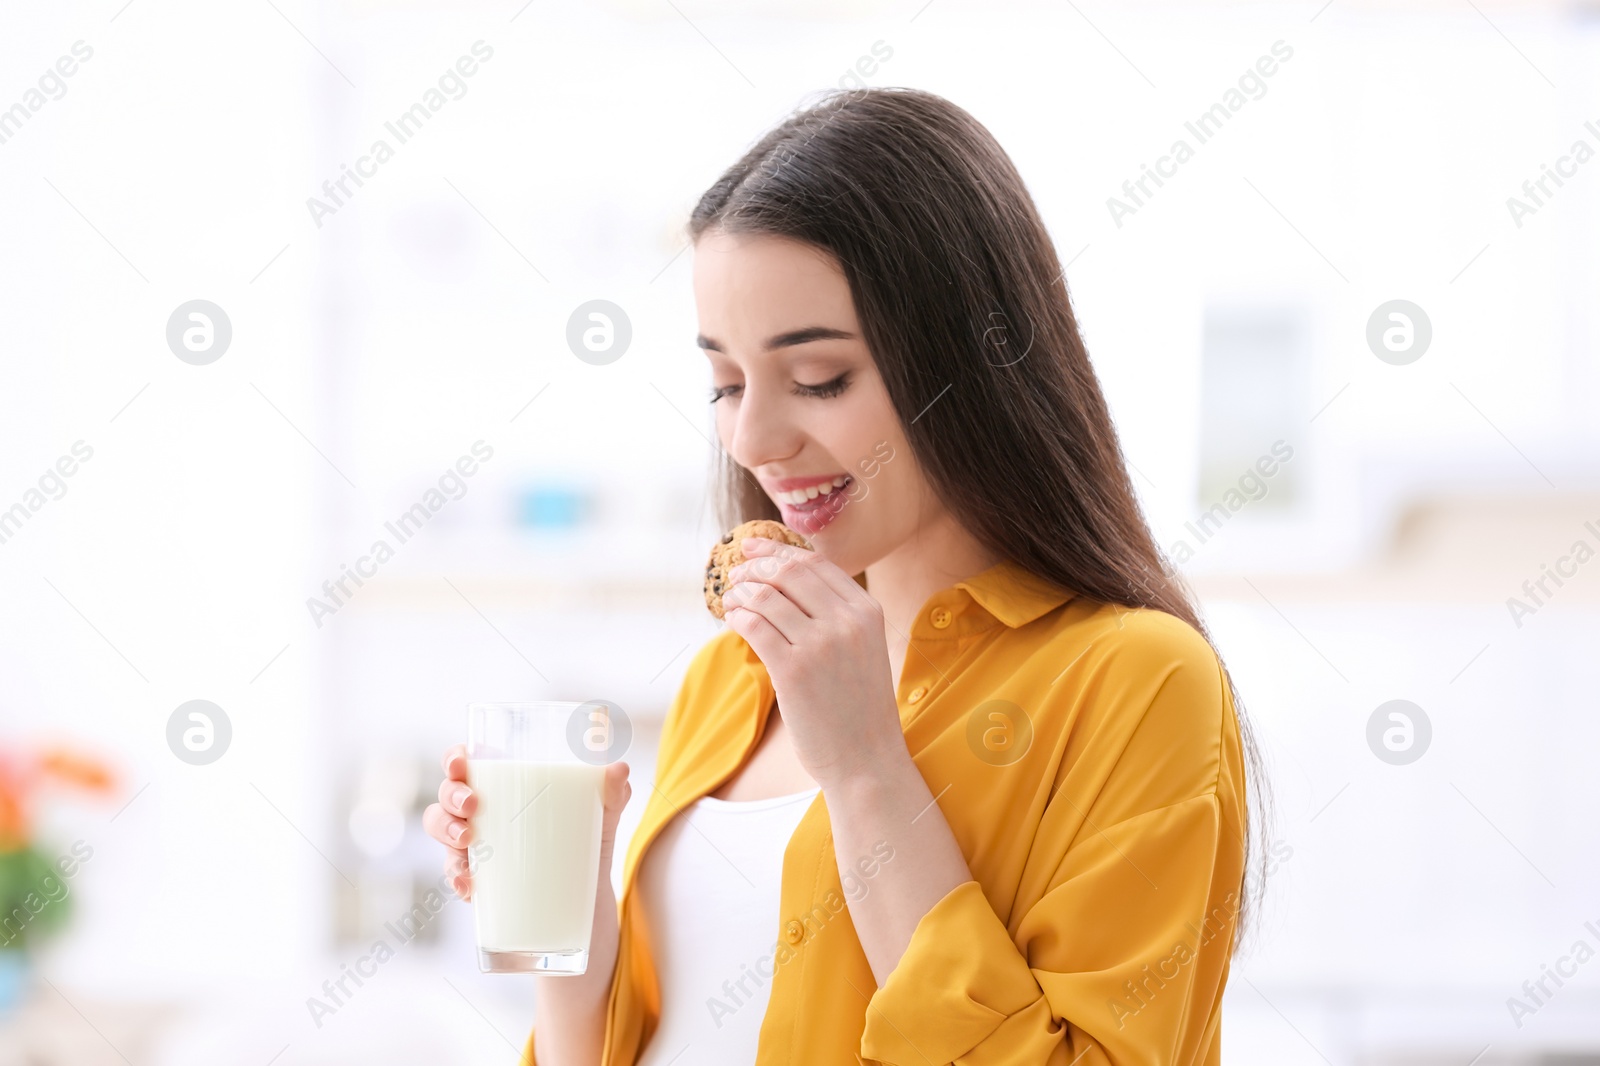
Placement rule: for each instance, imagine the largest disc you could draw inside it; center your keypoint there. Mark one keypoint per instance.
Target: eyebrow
(789, 339)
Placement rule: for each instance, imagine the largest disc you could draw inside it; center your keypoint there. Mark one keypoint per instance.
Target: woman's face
(799, 402)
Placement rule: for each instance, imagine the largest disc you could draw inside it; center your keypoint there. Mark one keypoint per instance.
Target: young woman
(965, 784)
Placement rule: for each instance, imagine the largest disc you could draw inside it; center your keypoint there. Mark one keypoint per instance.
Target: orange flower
(21, 778)
(87, 773)
(13, 796)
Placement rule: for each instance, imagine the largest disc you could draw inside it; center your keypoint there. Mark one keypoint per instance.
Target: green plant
(33, 899)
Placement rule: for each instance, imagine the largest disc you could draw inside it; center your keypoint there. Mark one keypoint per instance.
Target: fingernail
(459, 796)
(456, 829)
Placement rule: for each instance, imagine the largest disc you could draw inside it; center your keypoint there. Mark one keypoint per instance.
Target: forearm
(570, 1012)
(893, 804)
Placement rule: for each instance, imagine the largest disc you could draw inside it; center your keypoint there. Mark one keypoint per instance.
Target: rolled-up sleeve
(1123, 958)
(1110, 975)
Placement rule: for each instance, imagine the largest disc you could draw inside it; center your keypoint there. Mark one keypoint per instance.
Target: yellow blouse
(1087, 759)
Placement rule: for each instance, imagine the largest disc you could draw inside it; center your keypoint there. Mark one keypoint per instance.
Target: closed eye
(822, 391)
(827, 388)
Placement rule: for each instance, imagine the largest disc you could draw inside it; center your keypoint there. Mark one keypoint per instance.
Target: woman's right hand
(447, 821)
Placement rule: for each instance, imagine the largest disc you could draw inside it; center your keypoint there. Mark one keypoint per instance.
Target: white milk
(535, 891)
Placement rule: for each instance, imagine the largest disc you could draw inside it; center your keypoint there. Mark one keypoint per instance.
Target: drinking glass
(539, 775)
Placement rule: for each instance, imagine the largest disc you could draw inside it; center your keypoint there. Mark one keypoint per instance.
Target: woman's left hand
(820, 636)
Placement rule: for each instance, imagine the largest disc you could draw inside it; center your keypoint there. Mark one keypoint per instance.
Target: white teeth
(799, 496)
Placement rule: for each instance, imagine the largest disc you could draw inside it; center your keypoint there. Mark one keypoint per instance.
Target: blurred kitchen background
(1424, 886)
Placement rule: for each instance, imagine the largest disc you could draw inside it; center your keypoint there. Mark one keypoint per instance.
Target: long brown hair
(964, 305)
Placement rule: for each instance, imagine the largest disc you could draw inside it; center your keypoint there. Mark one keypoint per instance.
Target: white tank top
(709, 885)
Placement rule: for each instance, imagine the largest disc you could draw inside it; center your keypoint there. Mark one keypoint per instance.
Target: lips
(813, 515)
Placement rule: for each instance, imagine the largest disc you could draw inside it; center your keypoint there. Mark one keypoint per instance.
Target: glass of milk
(539, 775)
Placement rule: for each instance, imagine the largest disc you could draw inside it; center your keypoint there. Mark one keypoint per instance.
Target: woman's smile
(809, 503)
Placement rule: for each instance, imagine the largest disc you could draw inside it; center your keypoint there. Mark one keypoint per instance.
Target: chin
(836, 546)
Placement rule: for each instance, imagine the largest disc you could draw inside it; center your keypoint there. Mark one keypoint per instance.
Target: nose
(762, 431)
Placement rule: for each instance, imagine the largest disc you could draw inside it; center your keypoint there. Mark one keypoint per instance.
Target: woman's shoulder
(1112, 635)
(1119, 671)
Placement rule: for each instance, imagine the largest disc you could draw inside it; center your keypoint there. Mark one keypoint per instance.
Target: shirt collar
(1012, 594)
(1008, 592)
(1005, 592)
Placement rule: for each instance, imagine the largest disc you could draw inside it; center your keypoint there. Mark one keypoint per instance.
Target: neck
(935, 557)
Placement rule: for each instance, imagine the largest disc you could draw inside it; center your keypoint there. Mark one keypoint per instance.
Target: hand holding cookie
(821, 638)
(728, 552)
